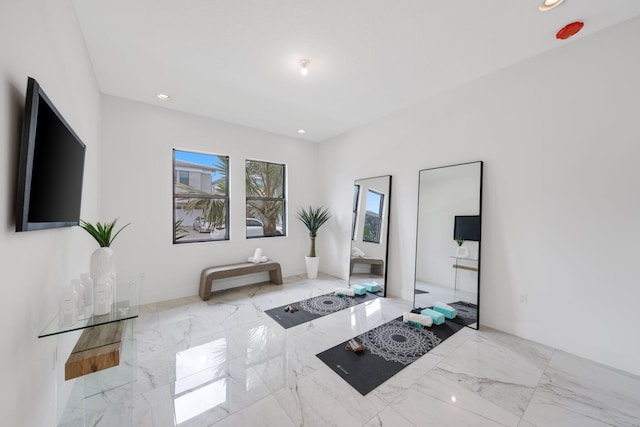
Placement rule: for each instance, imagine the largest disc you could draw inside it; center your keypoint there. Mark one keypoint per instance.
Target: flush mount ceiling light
(569, 30)
(302, 131)
(549, 4)
(304, 64)
(163, 97)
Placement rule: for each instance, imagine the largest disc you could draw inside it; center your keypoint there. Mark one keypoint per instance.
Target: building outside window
(183, 177)
(266, 201)
(200, 197)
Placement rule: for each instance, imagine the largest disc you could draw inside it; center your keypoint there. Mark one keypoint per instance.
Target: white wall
(41, 39)
(137, 187)
(559, 135)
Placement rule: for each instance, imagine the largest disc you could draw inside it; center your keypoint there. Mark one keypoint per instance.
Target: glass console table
(127, 301)
(86, 404)
(469, 264)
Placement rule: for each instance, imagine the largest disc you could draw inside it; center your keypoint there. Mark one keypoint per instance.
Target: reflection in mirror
(448, 240)
(370, 232)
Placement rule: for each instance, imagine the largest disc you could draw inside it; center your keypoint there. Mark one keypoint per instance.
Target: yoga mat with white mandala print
(316, 307)
(389, 349)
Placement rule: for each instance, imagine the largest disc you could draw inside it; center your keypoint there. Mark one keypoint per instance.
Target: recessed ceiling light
(304, 64)
(302, 131)
(163, 97)
(549, 4)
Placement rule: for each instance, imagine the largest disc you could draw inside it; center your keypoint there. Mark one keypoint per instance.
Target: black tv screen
(467, 227)
(51, 166)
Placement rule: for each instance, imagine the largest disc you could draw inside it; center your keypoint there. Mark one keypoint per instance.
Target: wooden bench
(234, 270)
(377, 265)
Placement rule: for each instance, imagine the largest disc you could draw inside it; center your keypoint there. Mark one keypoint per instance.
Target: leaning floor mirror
(370, 232)
(448, 239)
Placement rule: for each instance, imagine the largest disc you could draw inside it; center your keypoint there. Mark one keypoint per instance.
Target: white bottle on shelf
(88, 293)
(68, 307)
(79, 288)
(102, 298)
(112, 286)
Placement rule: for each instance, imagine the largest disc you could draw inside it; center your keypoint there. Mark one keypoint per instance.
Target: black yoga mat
(316, 307)
(389, 349)
(467, 313)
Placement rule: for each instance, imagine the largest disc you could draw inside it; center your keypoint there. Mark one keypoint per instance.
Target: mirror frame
(386, 217)
(480, 189)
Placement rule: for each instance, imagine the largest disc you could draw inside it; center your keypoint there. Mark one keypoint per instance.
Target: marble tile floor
(224, 362)
(441, 293)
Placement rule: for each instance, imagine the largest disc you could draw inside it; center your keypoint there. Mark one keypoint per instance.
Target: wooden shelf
(98, 348)
(464, 267)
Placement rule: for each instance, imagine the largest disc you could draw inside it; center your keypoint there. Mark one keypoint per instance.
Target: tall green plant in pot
(102, 269)
(313, 219)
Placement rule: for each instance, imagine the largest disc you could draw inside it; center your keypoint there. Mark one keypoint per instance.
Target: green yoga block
(449, 312)
(438, 318)
(370, 287)
(359, 289)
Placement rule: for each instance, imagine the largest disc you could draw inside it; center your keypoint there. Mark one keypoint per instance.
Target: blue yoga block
(359, 289)
(449, 313)
(370, 287)
(437, 317)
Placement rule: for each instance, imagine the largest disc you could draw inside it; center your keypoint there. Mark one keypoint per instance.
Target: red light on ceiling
(569, 30)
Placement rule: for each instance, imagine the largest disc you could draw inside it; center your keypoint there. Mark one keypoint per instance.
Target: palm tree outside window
(266, 201)
(373, 217)
(200, 197)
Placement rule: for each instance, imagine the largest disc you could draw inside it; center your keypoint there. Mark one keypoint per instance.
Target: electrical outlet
(524, 298)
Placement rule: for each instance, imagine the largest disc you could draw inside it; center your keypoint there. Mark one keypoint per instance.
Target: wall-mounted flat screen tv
(51, 166)
(467, 227)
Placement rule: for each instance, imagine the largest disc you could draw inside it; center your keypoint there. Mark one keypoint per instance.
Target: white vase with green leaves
(313, 219)
(102, 268)
(461, 251)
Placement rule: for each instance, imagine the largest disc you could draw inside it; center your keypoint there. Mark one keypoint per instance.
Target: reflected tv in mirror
(51, 166)
(467, 227)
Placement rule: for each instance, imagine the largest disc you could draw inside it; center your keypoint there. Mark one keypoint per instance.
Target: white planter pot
(462, 252)
(103, 273)
(312, 266)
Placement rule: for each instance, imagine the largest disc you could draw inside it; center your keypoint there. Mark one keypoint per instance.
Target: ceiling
(237, 60)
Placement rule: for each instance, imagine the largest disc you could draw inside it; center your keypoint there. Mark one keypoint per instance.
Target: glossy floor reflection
(225, 363)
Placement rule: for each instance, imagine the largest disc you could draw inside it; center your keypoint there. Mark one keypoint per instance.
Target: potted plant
(313, 220)
(103, 264)
(102, 232)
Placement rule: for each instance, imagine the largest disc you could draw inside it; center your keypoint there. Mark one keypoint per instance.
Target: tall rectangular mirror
(448, 239)
(370, 232)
